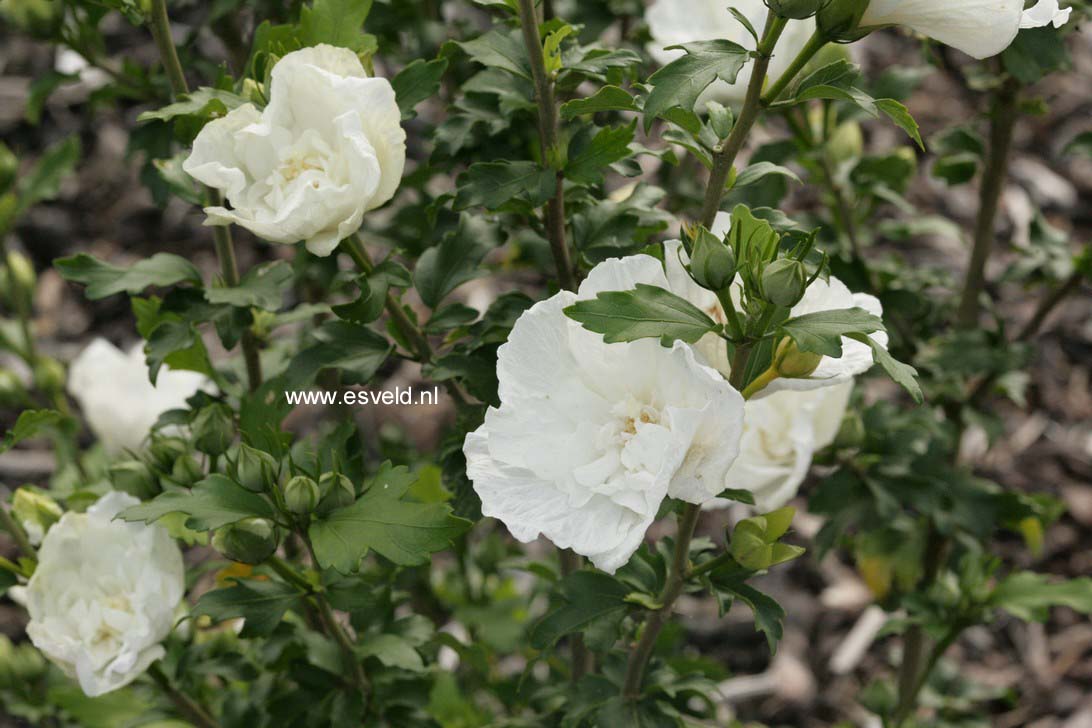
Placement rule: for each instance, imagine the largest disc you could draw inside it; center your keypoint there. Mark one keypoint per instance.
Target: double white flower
(328, 148)
(118, 401)
(591, 437)
(104, 594)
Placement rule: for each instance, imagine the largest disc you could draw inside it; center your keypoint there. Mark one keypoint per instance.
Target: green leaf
(822, 331)
(899, 114)
(681, 82)
(1029, 596)
(903, 374)
(392, 651)
(171, 172)
(262, 287)
(177, 344)
(456, 260)
(608, 98)
(503, 50)
(588, 162)
(767, 612)
(356, 350)
(337, 22)
(103, 279)
(41, 89)
(402, 531)
(492, 184)
(643, 313)
(213, 502)
(588, 596)
(260, 603)
(29, 424)
(43, 181)
(205, 103)
(417, 82)
(760, 170)
(1081, 144)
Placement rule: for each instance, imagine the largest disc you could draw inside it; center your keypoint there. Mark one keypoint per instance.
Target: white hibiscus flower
(591, 437)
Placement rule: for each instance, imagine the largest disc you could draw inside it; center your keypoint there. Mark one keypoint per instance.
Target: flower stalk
(186, 705)
(725, 155)
(549, 134)
(160, 25)
(1002, 124)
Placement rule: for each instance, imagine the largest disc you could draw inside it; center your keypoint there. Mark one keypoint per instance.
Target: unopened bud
(301, 495)
(36, 512)
(164, 451)
(784, 282)
(9, 168)
(12, 391)
(134, 478)
(255, 470)
(337, 492)
(841, 19)
(214, 429)
(792, 363)
(186, 472)
(250, 541)
(713, 263)
(49, 374)
(846, 142)
(796, 9)
(22, 275)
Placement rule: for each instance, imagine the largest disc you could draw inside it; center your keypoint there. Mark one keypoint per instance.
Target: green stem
(581, 657)
(813, 46)
(549, 132)
(724, 157)
(676, 580)
(1002, 124)
(160, 25)
(186, 705)
(759, 383)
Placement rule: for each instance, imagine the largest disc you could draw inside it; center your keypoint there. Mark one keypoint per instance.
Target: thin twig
(581, 657)
(186, 705)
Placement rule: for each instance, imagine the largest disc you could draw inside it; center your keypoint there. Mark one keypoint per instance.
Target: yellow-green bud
(12, 391)
(255, 470)
(35, 511)
(134, 478)
(22, 273)
(337, 491)
(214, 429)
(841, 19)
(846, 142)
(49, 374)
(249, 541)
(186, 471)
(796, 9)
(713, 263)
(9, 168)
(301, 495)
(784, 282)
(791, 363)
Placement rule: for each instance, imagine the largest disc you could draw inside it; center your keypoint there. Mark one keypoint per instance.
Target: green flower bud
(721, 119)
(249, 541)
(791, 363)
(784, 282)
(35, 511)
(841, 19)
(22, 275)
(9, 168)
(186, 471)
(301, 495)
(135, 478)
(337, 491)
(12, 391)
(214, 429)
(164, 451)
(49, 374)
(846, 142)
(713, 263)
(796, 9)
(255, 470)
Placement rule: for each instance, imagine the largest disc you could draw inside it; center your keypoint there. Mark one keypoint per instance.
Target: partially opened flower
(673, 22)
(328, 148)
(103, 596)
(980, 28)
(118, 401)
(591, 437)
(781, 435)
